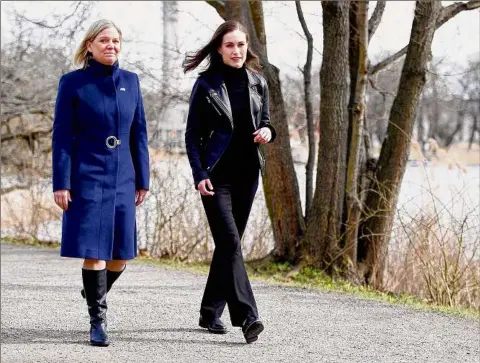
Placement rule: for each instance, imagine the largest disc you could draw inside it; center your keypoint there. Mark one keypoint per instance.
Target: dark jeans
(227, 213)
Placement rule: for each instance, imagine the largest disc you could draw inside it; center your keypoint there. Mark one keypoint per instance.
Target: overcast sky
(455, 42)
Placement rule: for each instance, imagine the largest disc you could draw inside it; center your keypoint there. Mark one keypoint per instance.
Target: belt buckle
(116, 142)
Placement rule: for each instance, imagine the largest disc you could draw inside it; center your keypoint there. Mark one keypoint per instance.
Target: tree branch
(303, 23)
(446, 14)
(452, 10)
(374, 21)
(218, 5)
(386, 62)
(43, 23)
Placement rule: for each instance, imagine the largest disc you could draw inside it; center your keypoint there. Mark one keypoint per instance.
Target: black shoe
(251, 329)
(112, 276)
(95, 286)
(214, 326)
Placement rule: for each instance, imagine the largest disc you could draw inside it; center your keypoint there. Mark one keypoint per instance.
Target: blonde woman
(100, 166)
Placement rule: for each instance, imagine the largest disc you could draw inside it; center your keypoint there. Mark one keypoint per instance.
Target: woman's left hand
(139, 196)
(263, 135)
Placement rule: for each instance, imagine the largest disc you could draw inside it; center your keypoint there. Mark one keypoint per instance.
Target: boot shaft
(112, 276)
(95, 287)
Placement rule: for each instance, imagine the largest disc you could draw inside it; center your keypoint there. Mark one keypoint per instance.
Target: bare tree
(359, 35)
(323, 229)
(307, 78)
(382, 199)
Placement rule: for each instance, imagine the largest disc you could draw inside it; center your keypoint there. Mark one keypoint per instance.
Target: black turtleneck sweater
(241, 153)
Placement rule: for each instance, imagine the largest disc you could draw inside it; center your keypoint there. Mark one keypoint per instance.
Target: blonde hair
(81, 54)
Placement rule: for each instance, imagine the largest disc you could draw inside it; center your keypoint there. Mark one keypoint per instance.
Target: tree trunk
(307, 84)
(382, 199)
(458, 127)
(474, 129)
(358, 83)
(420, 125)
(280, 181)
(435, 112)
(323, 228)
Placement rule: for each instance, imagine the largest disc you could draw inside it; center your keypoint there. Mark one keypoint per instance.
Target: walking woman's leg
(228, 278)
(222, 226)
(94, 277)
(243, 194)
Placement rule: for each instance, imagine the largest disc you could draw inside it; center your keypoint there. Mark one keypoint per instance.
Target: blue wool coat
(94, 107)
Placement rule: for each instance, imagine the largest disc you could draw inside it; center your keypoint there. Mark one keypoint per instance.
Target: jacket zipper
(209, 138)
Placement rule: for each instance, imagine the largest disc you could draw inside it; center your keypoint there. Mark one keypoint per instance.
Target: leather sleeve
(265, 120)
(193, 133)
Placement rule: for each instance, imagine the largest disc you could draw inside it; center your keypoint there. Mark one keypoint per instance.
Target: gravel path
(153, 316)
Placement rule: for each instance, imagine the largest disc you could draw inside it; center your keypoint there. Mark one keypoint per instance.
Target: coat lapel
(220, 94)
(218, 91)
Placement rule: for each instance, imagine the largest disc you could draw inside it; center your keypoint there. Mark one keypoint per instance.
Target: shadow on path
(41, 336)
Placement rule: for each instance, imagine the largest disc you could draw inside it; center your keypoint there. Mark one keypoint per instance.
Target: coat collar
(99, 68)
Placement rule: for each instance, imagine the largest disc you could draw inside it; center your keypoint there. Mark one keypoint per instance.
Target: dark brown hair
(193, 60)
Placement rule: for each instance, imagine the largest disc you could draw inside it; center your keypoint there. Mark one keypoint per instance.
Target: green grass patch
(27, 241)
(310, 278)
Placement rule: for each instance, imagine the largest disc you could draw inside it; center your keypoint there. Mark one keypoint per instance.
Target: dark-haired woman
(228, 119)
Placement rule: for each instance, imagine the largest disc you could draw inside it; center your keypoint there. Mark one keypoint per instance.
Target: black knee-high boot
(95, 286)
(112, 276)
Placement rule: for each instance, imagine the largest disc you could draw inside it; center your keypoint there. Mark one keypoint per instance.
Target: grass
(285, 275)
(30, 242)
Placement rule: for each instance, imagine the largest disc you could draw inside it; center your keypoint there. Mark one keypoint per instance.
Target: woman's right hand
(205, 188)
(62, 197)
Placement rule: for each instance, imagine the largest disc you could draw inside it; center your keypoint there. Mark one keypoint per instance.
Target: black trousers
(227, 213)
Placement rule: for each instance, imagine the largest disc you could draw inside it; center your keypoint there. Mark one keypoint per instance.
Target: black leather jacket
(210, 121)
